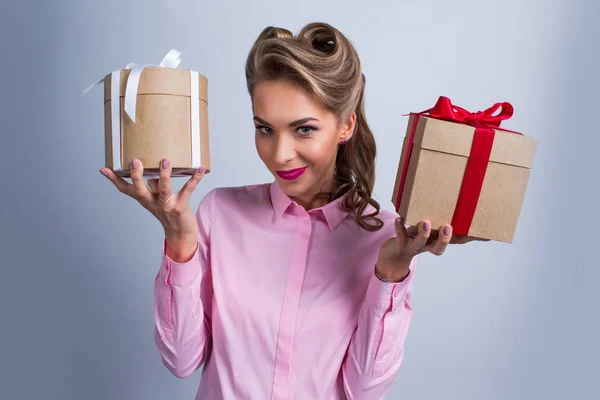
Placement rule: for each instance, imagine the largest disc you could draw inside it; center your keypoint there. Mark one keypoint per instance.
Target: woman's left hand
(397, 252)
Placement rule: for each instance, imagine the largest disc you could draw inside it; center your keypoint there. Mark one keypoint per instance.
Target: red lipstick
(291, 174)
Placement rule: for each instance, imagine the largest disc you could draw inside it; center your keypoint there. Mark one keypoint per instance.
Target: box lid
(153, 80)
(455, 138)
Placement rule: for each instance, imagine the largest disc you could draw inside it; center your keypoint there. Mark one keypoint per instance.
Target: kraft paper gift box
(460, 168)
(162, 112)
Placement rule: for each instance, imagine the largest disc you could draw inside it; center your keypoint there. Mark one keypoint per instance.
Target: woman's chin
(293, 187)
(287, 183)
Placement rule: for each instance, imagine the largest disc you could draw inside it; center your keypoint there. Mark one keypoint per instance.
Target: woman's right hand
(176, 216)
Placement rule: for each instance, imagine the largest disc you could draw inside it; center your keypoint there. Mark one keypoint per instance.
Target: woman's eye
(304, 132)
(260, 128)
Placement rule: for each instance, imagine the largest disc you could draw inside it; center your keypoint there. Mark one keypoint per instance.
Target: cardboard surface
(163, 123)
(437, 165)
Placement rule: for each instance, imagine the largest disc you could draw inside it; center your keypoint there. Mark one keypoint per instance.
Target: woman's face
(295, 131)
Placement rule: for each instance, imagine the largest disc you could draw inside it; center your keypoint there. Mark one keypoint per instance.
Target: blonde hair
(321, 60)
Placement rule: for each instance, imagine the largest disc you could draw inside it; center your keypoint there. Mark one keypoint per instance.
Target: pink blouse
(281, 303)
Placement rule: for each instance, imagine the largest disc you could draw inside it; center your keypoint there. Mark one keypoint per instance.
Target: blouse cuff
(386, 295)
(181, 274)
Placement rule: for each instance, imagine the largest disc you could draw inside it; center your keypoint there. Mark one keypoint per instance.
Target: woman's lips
(291, 174)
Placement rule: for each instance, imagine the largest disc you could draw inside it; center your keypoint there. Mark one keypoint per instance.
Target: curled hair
(321, 60)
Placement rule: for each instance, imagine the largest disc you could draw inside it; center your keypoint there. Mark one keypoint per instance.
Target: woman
(299, 288)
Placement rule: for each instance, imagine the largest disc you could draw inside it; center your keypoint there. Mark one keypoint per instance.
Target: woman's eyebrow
(291, 124)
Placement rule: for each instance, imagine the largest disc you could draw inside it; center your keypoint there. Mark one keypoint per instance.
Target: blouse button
(395, 293)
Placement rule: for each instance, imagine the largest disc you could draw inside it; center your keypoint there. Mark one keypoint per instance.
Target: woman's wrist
(391, 275)
(181, 252)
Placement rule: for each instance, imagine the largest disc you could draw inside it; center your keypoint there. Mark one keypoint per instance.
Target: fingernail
(201, 169)
(446, 230)
(165, 163)
(135, 163)
(103, 172)
(399, 221)
(426, 226)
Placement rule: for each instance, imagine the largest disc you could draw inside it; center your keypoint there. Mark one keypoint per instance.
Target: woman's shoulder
(386, 216)
(388, 219)
(243, 190)
(236, 195)
(229, 201)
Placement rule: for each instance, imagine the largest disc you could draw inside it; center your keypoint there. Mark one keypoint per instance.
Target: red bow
(444, 109)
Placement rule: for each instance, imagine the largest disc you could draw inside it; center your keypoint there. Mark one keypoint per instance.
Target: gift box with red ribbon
(461, 168)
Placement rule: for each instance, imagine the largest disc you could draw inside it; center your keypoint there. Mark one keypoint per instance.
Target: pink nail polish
(446, 230)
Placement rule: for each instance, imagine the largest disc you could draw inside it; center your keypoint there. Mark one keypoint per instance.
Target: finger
(140, 190)
(122, 185)
(164, 180)
(400, 228)
(186, 191)
(424, 230)
(445, 237)
(413, 231)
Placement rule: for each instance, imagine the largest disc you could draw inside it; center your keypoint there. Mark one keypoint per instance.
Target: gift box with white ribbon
(162, 112)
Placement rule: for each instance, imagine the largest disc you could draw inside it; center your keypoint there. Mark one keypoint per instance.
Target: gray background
(491, 320)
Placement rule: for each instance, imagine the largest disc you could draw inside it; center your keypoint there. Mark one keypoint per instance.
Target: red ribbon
(484, 122)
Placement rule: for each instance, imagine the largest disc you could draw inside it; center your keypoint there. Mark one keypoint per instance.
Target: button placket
(289, 310)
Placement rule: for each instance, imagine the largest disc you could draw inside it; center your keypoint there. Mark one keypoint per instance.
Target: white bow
(171, 60)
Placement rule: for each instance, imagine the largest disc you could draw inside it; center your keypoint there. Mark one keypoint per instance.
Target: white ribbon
(171, 60)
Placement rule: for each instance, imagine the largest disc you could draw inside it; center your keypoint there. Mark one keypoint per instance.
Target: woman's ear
(348, 127)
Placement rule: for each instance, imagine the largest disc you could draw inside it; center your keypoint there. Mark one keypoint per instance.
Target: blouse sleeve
(182, 302)
(376, 349)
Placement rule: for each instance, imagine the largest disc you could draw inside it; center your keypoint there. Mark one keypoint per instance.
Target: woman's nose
(285, 150)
